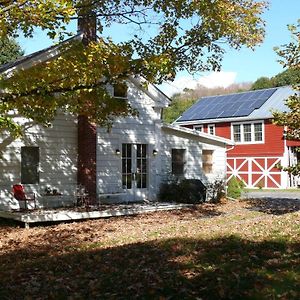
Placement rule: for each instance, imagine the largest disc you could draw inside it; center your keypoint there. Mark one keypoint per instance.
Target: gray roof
(32, 56)
(248, 105)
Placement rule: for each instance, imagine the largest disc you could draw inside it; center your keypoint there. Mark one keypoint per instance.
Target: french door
(135, 170)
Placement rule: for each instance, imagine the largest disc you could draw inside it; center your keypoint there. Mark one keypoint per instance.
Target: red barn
(246, 119)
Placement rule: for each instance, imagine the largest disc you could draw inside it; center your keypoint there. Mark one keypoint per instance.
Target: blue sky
(263, 61)
(238, 66)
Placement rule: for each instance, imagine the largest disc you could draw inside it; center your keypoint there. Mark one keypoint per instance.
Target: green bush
(235, 188)
(190, 191)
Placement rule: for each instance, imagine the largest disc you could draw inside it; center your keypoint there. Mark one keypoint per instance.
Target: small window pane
(129, 184)
(258, 132)
(247, 132)
(211, 129)
(129, 146)
(198, 128)
(128, 169)
(144, 165)
(144, 150)
(124, 153)
(237, 133)
(138, 150)
(138, 181)
(144, 181)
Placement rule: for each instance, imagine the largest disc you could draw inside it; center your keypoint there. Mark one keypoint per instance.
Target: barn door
(135, 170)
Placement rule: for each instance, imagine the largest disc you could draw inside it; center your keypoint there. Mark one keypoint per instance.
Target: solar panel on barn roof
(226, 106)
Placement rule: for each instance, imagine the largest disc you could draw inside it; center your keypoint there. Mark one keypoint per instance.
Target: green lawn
(227, 251)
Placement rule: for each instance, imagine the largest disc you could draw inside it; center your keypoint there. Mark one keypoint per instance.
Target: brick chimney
(87, 141)
(87, 25)
(87, 132)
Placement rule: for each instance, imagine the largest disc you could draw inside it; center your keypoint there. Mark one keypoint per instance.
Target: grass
(226, 251)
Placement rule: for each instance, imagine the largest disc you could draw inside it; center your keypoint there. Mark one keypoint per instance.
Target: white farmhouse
(126, 163)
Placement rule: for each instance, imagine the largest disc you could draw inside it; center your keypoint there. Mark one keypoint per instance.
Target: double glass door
(135, 170)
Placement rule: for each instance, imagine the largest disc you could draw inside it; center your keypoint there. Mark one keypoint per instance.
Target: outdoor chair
(21, 196)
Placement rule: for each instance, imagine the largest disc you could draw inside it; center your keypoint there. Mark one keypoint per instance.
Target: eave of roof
(199, 135)
(36, 57)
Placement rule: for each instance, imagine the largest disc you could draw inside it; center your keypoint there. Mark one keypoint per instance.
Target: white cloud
(214, 79)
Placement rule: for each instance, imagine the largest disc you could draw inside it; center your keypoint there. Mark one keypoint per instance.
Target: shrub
(190, 191)
(216, 191)
(235, 188)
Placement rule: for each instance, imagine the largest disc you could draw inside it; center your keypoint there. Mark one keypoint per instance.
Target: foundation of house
(74, 214)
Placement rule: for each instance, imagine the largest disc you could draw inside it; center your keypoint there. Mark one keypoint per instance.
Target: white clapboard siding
(58, 159)
(193, 156)
(139, 129)
(146, 128)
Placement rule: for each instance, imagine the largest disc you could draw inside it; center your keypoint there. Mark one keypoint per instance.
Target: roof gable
(37, 57)
(227, 106)
(51, 52)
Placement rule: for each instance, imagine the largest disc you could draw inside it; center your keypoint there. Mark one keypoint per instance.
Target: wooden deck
(69, 214)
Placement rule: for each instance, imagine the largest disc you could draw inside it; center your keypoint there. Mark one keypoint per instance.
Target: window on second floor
(198, 128)
(248, 133)
(211, 129)
(120, 90)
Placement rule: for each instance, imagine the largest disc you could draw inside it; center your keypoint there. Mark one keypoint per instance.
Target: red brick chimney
(87, 132)
(86, 174)
(87, 25)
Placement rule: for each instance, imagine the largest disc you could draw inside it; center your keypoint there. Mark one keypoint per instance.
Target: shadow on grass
(225, 268)
(274, 206)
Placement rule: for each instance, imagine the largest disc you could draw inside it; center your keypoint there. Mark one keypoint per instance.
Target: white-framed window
(211, 129)
(30, 160)
(198, 128)
(207, 161)
(178, 156)
(248, 132)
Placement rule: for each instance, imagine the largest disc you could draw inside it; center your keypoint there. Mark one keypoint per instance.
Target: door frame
(135, 193)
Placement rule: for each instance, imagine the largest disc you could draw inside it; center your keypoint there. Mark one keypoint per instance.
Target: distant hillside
(181, 102)
(287, 77)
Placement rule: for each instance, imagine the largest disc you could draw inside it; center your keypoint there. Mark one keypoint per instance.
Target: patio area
(29, 217)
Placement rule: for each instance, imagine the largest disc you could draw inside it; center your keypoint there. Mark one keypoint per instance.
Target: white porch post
(285, 163)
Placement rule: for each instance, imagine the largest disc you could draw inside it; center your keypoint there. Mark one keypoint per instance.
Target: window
(237, 133)
(211, 129)
(207, 161)
(178, 161)
(127, 166)
(30, 159)
(248, 132)
(198, 128)
(258, 134)
(142, 166)
(120, 90)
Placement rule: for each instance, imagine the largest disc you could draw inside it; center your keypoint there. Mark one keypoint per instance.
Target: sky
(238, 66)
